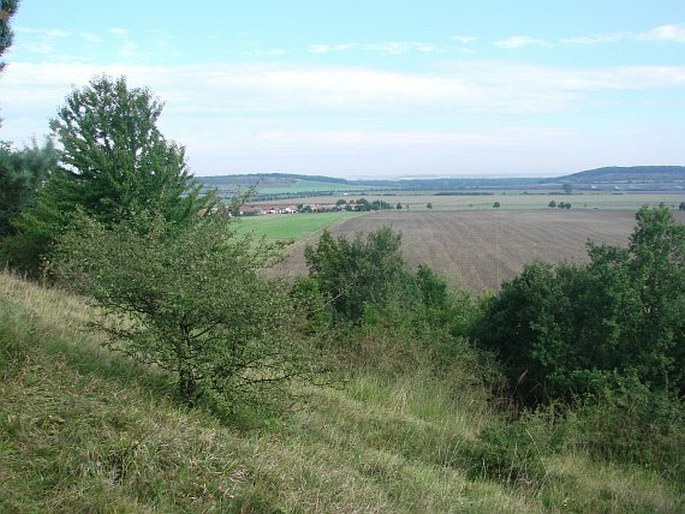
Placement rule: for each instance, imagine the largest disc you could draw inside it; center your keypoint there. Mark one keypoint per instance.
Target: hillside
(83, 430)
(631, 173)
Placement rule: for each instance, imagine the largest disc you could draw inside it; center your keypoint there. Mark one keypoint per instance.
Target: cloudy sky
(372, 88)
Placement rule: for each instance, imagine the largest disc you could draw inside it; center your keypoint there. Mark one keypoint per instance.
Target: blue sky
(372, 89)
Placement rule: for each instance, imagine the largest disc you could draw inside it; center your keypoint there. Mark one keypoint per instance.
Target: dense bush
(352, 274)
(628, 422)
(22, 172)
(363, 291)
(559, 329)
(190, 300)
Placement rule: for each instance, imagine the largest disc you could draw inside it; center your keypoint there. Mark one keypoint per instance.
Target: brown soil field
(481, 249)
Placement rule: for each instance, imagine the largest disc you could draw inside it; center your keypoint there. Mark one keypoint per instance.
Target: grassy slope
(83, 430)
(308, 186)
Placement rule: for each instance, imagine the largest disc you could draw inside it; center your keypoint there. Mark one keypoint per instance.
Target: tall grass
(82, 430)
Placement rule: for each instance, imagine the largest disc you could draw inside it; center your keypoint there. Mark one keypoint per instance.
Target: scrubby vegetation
(182, 379)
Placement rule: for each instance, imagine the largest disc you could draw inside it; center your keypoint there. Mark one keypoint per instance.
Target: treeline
(564, 349)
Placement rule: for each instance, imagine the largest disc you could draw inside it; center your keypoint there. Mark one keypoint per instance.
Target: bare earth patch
(481, 249)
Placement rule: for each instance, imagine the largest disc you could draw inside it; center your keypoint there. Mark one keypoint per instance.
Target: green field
(309, 186)
(292, 226)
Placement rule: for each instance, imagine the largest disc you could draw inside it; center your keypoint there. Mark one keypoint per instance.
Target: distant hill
(630, 173)
(290, 185)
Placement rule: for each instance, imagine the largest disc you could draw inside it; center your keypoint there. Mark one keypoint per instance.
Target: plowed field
(481, 249)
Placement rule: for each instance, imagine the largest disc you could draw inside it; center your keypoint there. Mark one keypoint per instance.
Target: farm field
(306, 186)
(480, 249)
(507, 200)
(291, 226)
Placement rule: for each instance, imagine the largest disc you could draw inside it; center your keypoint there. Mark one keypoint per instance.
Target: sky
(371, 89)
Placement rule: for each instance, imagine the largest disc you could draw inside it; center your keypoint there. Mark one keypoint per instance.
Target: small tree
(429, 205)
(398, 206)
(496, 205)
(192, 302)
(22, 172)
(552, 204)
(567, 187)
(352, 274)
(362, 205)
(681, 207)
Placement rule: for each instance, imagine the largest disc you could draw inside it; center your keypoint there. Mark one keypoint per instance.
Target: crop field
(507, 200)
(480, 249)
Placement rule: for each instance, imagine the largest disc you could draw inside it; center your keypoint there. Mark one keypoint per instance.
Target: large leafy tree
(115, 157)
(115, 163)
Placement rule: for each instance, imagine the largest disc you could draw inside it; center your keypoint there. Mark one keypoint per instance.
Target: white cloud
(324, 49)
(268, 52)
(464, 40)
(386, 47)
(89, 37)
(270, 90)
(673, 33)
(402, 47)
(521, 41)
(118, 31)
(596, 39)
(277, 112)
(47, 33)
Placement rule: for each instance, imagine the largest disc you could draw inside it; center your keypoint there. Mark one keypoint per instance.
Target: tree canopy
(115, 157)
(7, 9)
(115, 163)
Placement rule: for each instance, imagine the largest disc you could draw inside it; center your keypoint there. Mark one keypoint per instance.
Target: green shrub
(357, 272)
(190, 300)
(515, 452)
